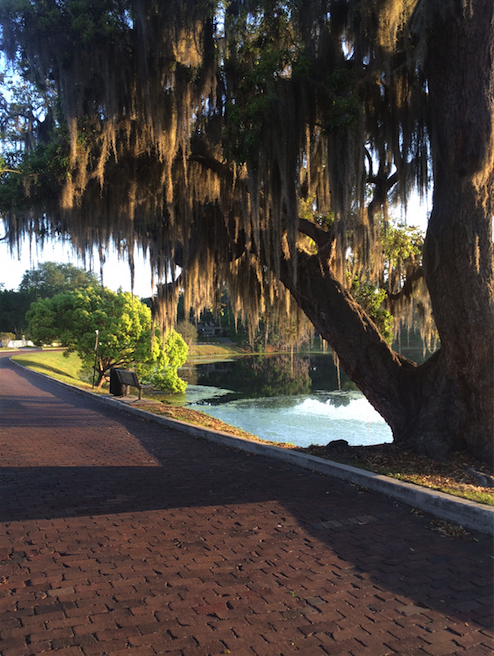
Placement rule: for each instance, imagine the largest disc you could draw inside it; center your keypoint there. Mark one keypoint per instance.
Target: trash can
(117, 388)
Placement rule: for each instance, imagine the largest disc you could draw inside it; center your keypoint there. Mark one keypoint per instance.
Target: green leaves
(51, 278)
(402, 254)
(402, 243)
(261, 56)
(343, 106)
(402, 247)
(370, 298)
(124, 325)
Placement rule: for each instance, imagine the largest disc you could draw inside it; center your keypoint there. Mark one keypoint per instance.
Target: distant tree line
(45, 281)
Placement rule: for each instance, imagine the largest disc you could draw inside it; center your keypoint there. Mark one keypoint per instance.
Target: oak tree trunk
(459, 250)
(446, 404)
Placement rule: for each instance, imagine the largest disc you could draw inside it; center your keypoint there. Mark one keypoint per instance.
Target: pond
(299, 399)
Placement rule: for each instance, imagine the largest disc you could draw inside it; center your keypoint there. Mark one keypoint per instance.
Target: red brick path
(118, 535)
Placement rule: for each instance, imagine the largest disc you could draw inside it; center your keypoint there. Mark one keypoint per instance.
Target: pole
(95, 355)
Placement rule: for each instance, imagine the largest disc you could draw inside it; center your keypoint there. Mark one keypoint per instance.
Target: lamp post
(96, 344)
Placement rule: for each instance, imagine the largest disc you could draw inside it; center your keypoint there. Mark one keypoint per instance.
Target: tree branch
(384, 184)
(2, 171)
(378, 371)
(321, 237)
(409, 286)
(318, 235)
(210, 163)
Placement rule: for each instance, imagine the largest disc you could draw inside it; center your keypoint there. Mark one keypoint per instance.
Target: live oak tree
(124, 335)
(259, 144)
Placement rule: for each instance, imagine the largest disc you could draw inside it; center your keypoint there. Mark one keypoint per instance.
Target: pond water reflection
(285, 399)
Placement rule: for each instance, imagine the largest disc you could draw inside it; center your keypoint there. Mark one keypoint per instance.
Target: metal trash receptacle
(117, 388)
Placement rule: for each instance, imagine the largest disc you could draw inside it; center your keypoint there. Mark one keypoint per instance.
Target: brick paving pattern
(118, 535)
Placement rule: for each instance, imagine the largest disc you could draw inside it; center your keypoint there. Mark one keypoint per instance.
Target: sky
(116, 271)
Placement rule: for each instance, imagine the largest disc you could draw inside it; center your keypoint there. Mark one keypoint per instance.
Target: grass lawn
(453, 478)
(200, 352)
(54, 364)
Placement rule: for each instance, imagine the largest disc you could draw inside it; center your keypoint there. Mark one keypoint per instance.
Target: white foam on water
(358, 409)
(307, 420)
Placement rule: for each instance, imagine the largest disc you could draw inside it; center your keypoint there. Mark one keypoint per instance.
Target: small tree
(5, 338)
(124, 331)
(164, 375)
(188, 332)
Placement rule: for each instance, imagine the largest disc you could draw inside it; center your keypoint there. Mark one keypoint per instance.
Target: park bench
(121, 379)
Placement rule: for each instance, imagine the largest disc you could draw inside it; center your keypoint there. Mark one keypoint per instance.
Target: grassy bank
(54, 364)
(203, 352)
(454, 478)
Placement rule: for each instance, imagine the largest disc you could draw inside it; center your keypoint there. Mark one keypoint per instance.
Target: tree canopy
(50, 278)
(122, 325)
(259, 144)
(44, 281)
(13, 308)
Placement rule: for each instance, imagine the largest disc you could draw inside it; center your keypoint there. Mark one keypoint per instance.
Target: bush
(5, 338)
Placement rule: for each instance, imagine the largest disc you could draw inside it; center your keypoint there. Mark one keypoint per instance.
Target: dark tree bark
(446, 404)
(459, 250)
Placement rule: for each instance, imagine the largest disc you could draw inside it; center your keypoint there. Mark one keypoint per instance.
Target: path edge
(469, 514)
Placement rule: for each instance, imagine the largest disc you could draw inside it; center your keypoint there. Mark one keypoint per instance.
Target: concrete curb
(469, 514)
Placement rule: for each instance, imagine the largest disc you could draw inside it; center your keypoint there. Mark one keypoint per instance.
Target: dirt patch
(193, 417)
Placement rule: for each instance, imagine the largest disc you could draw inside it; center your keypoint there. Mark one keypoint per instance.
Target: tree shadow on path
(303, 528)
